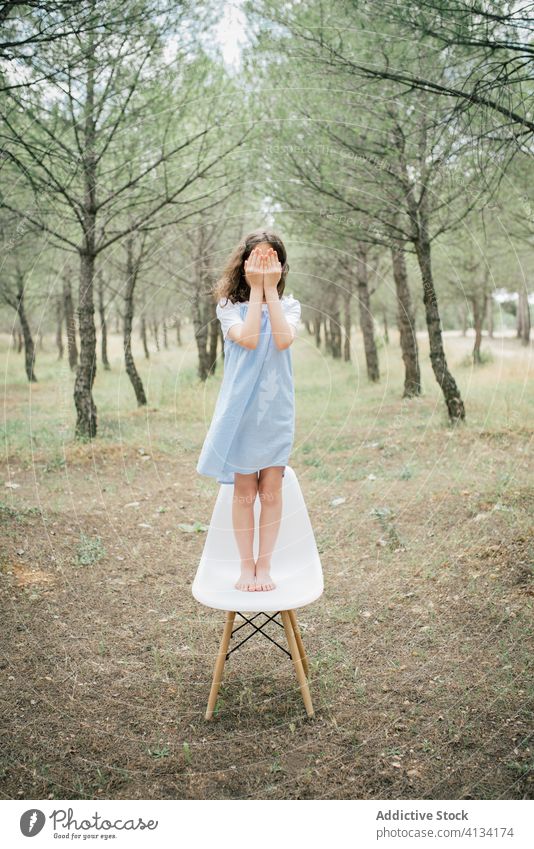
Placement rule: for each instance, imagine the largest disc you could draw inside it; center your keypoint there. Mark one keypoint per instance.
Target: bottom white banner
(314, 823)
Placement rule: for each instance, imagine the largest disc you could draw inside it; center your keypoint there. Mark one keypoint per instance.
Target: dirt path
(421, 646)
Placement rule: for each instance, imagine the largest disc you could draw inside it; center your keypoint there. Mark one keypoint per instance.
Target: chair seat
(295, 565)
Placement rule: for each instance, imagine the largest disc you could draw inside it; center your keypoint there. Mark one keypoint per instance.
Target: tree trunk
(347, 322)
(451, 393)
(406, 324)
(143, 335)
(86, 423)
(59, 327)
(29, 347)
(519, 316)
(523, 305)
(103, 323)
(70, 322)
(335, 333)
(478, 314)
(366, 318)
(165, 338)
(179, 332)
(201, 336)
(326, 333)
(131, 278)
(213, 337)
(490, 316)
(317, 327)
(155, 333)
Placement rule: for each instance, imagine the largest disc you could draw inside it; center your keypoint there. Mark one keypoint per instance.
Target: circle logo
(31, 822)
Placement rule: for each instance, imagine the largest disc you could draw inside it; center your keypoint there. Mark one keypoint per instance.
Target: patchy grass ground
(420, 647)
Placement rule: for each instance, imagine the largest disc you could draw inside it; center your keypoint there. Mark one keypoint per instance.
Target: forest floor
(420, 647)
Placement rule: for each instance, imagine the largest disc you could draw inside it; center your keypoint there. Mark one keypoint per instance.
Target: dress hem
(232, 482)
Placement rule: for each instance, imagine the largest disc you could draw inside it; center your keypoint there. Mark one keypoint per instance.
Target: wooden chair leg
(297, 662)
(219, 663)
(300, 644)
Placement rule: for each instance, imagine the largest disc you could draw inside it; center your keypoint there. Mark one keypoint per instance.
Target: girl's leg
(270, 493)
(245, 492)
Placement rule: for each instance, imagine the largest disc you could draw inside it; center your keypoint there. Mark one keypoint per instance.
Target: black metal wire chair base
(257, 630)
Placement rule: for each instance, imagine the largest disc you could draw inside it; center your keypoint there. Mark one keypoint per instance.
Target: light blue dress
(253, 424)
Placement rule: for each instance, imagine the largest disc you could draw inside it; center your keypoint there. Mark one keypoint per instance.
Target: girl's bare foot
(246, 579)
(263, 578)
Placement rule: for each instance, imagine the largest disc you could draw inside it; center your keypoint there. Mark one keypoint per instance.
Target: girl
(251, 434)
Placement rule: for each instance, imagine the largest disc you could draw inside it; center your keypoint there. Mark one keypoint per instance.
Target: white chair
(295, 569)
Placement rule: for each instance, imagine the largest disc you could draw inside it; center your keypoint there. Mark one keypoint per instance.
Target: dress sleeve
(228, 315)
(292, 311)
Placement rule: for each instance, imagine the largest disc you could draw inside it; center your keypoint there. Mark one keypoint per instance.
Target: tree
(68, 148)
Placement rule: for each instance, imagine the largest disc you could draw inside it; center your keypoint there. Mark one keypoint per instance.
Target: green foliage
(89, 551)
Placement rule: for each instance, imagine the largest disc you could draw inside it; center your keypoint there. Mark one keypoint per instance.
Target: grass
(419, 648)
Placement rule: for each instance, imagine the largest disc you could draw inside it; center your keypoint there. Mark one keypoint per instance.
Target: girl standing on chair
(250, 438)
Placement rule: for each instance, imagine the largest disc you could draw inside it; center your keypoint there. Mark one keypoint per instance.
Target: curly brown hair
(232, 284)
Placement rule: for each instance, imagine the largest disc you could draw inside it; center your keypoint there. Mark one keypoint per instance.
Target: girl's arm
(283, 333)
(248, 333)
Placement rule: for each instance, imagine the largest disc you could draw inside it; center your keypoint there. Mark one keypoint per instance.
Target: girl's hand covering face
(272, 270)
(254, 269)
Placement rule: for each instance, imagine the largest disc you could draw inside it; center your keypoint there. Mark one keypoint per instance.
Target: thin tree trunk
(179, 332)
(477, 323)
(366, 318)
(131, 278)
(201, 336)
(165, 338)
(213, 337)
(406, 324)
(418, 213)
(317, 328)
(29, 347)
(447, 383)
(519, 316)
(59, 327)
(525, 317)
(490, 316)
(327, 339)
(143, 329)
(86, 423)
(347, 323)
(103, 323)
(155, 333)
(70, 323)
(335, 333)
